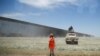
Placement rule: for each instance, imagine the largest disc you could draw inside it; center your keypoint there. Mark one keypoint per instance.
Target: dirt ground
(29, 46)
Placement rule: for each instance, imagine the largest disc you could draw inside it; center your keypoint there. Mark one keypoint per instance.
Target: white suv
(71, 38)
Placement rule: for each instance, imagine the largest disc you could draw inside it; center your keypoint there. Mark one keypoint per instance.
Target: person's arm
(54, 43)
(49, 42)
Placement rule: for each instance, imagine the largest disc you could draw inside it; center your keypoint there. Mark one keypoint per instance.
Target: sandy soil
(29, 46)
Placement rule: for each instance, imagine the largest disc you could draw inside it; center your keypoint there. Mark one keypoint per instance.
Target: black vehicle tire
(76, 42)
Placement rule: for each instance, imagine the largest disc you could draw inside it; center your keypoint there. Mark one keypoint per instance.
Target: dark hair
(51, 36)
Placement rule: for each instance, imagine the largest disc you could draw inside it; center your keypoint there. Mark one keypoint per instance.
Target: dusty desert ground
(38, 46)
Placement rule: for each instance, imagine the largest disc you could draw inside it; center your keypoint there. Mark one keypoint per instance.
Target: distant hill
(16, 28)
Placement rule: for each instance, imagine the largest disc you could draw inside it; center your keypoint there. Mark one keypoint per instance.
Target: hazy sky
(83, 15)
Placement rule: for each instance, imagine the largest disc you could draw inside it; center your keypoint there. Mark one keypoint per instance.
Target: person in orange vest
(51, 44)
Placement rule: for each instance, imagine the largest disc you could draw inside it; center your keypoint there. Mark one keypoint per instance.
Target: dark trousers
(52, 52)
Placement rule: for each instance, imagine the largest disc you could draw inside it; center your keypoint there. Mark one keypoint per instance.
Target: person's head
(51, 35)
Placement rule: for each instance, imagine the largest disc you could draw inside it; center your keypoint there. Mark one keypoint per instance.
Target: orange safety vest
(51, 43)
